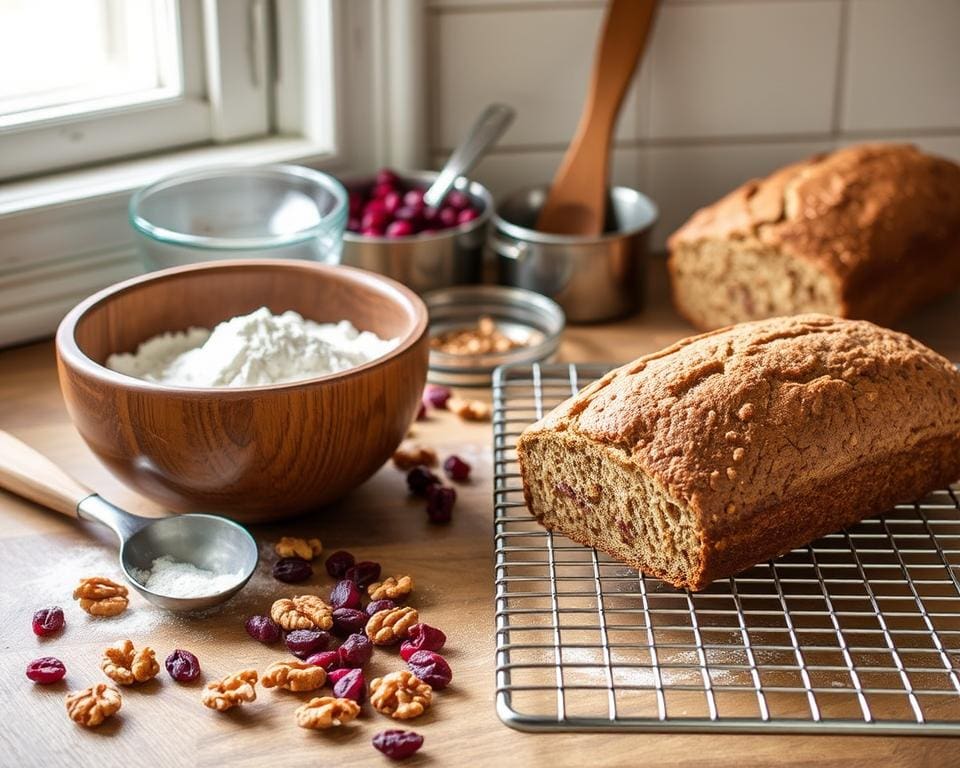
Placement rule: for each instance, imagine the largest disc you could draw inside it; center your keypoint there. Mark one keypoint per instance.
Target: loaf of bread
(736, 446)
(867, 232)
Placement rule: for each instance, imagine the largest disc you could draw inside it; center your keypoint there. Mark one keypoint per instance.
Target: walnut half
(302, 612)
(93, 705)
(326, 712)
(391, 588)
(126, 666)
(391, 625)
(99, 596)
(231, 691)
(401, 695)
(469, 410)
(294, 676)
(292, 546)
(410, 454)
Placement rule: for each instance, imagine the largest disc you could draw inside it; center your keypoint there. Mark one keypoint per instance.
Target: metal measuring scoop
(207, 541)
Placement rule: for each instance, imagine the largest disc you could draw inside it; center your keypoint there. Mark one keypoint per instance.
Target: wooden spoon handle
(27, 473)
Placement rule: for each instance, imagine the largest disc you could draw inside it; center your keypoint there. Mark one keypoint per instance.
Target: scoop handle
(28, 473)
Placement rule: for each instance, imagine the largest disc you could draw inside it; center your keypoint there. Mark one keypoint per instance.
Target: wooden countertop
(43, 554)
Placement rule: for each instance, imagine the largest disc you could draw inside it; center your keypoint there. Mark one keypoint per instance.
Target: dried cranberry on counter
(345, 594)
(335, 674)
(329, 660)
(339, 563)
(440, 501)
(182, 666)
(407, 649)
(46, 670)
(397, 744)
(436, 396)
(380, 605)
(364, 573)
(419, 479)
(348, 621)
(456, 469)
(432, 668)
(356, 651)
(351, 685)
(306, 642)
(426, 638)
(292, 570)
(263, 628)
(48, 621)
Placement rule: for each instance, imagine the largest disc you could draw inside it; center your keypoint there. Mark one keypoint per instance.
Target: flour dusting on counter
(252, 350)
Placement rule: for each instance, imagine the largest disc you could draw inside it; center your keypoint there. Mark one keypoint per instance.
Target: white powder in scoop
(175, 579)
(252, 350)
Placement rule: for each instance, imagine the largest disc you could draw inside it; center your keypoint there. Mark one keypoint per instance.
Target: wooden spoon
(577, 199)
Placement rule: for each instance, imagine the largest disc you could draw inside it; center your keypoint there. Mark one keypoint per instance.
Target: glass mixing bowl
(229, 212)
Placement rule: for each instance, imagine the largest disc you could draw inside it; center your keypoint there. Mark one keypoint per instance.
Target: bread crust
(881, 221)
(769, 434)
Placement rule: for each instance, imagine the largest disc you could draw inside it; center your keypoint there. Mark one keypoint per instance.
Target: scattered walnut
(326, 712)
(292, 546)
(391, 625)
(469, 410)
(93, 705)
(409, 455)
(294, 676)
(230, 692)
(401, 695)
(100, 596)
(126, 666)
(390, 588)
(302, 612)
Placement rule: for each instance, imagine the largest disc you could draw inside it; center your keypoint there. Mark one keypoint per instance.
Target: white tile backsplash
(903, 65)
(744, 69)
(729, 89)
(536, 61)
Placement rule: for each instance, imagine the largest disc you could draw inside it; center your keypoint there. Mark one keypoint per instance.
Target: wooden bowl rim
(69, 351)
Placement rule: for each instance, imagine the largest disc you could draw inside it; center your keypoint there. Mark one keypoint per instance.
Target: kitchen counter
(42, 555)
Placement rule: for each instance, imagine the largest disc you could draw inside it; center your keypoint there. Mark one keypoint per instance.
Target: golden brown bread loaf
(736, 446)
(870, 232)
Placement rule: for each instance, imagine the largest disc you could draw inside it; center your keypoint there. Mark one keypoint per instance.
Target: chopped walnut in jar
(93, 705)
(401, 695)
(231, 691)
(125, 665)
(326, 712)
(482, 339)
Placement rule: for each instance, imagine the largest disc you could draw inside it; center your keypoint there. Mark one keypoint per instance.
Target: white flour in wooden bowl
(252, 350)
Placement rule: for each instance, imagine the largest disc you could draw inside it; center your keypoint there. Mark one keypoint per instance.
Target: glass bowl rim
(172, 237)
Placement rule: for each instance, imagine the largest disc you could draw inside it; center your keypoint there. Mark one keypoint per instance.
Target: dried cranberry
(363, 573)
(335, 674)
(292, 570)
(399, 229)
(48, 621)
(356, 651)
(467, 215)
(380, 605)
(422, 412)
(419, 479)
(456, 469)
(263, 628)
(440, 501)
(397, 744)
(386, 178)
(436, 395)
(46, 670)
(347, 621)
(326, 659)
(345, 594)
(407, 649)
(432, 668)
(426, 638)
(351, 686)
(183, 666)
(306, 642)
(339, 563)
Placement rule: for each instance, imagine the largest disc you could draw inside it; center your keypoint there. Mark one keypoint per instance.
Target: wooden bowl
(252, 453)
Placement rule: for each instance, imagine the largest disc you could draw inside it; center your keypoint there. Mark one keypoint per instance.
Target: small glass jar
(231, 212)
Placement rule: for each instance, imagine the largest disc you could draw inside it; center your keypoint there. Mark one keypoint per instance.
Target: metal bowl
(424, 262)
(518, 313)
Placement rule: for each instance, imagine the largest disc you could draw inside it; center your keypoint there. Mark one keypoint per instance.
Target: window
(98, 80)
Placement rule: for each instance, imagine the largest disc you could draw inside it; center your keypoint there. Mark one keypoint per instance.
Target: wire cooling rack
(859, 632)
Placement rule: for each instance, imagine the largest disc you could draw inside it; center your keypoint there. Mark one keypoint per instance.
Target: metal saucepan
(592, 278)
